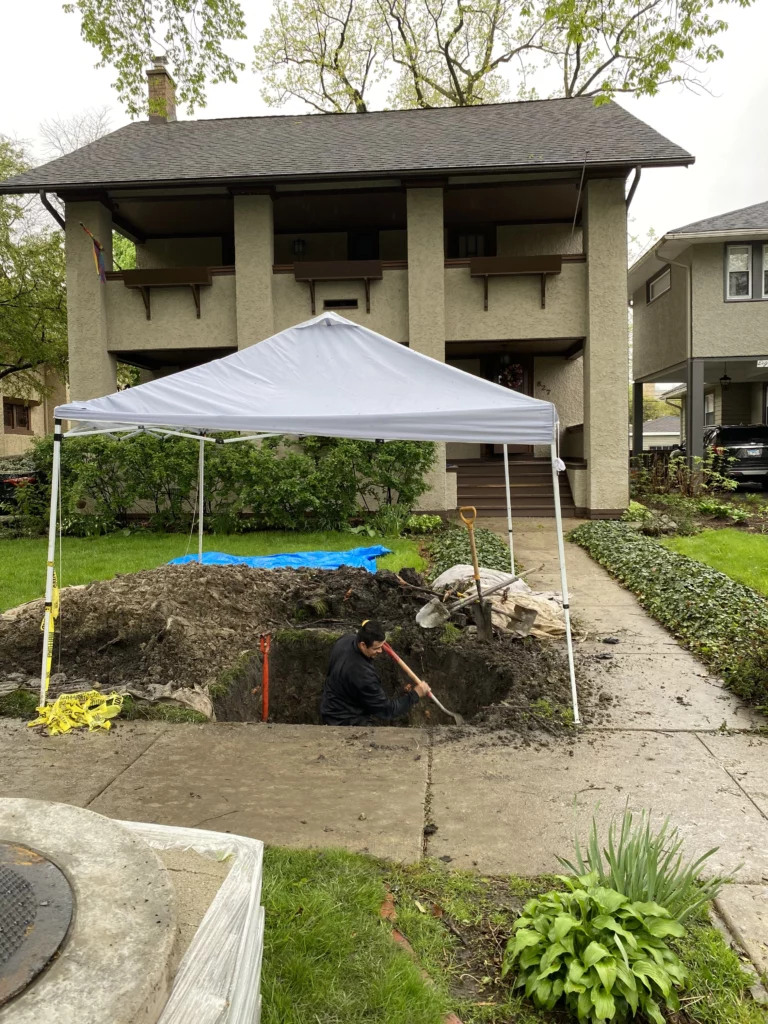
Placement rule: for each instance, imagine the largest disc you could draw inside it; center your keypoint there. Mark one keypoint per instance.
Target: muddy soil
(199, 626)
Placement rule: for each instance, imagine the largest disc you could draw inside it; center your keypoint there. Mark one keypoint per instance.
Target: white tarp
(331, 377)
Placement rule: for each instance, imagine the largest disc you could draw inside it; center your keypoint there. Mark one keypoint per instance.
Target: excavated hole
(465, 679)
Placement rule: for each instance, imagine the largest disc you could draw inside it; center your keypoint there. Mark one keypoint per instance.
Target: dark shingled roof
(662, 425)
(537, 134)
(750, 218)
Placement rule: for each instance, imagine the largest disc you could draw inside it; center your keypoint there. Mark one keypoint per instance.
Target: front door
(516, 373)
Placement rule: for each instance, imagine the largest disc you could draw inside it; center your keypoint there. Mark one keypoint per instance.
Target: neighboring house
(490, 237)
(25, 418)
(663, 432)
(700, 310)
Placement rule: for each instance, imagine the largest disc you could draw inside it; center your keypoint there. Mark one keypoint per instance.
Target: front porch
(709, 391)
(481, 482)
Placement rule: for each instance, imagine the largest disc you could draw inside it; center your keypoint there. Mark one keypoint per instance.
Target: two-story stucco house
(700, 311)
(491, 237)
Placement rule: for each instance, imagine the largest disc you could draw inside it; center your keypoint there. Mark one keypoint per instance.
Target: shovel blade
(434, 613)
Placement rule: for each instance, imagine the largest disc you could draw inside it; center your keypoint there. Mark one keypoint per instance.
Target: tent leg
(509, 513)
(201, 501)
(564, 584)
(52, 522)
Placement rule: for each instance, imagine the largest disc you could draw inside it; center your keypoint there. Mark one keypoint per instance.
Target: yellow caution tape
(53, 611)
(73, 710)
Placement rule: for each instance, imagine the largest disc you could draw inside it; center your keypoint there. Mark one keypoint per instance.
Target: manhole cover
(35, 911)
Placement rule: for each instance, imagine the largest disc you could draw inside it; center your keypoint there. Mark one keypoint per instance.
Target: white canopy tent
(330, 377)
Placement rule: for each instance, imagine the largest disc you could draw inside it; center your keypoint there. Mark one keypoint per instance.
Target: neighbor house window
(765, 271)
(16, 417)
(709, 409)
(659, 284)
(739, 271)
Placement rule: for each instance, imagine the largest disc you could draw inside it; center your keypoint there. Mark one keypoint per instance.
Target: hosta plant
(592, 949)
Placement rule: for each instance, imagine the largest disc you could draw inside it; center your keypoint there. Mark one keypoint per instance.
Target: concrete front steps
(481, 483)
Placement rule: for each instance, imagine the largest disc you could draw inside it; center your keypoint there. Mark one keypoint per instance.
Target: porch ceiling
(197, 213)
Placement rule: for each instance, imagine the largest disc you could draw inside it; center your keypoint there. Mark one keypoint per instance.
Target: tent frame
(132, 430)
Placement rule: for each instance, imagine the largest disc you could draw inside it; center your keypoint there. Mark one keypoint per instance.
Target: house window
(659, 284)
(739, 283)
(709, 409)
(16, 417)
(471, 244)
(765, 271)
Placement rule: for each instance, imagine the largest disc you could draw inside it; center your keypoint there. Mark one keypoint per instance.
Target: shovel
(435, 613)
(480, 612)
(409, 672)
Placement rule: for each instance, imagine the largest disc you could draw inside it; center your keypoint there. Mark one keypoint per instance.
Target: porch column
(637, 418)
(426, 312)
(92, 370)
(606, 352)
(254, 256)
(694, 410)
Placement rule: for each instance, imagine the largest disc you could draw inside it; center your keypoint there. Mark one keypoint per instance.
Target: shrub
(722, 621)
(391, 520)
(312, 483)
(601, 954)
(637, 513)
(423, 524)
(451, 547)
(647, 866)
(661, 474)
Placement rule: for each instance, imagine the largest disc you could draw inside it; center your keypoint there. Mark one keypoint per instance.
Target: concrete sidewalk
(497, 808)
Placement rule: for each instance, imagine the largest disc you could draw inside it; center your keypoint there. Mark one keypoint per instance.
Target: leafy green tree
(332, 53)
(435, 53)
(33, 316)
(192, 33)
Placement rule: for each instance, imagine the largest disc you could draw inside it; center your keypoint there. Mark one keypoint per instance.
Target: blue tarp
(364, 558)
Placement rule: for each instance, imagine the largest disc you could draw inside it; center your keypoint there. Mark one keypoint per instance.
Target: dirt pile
(199, 626)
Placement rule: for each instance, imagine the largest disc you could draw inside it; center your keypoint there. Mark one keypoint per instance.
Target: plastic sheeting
(548, 605)
(362, 558)
(331, 377)
(218, 980)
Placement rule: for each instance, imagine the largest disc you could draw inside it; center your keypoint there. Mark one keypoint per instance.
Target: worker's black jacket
(352, 693)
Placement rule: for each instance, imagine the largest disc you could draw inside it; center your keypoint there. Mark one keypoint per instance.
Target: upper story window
(659, 284)
(466, 242)
(709, 408)
(739, 272)
(16, 418)
(765, 271)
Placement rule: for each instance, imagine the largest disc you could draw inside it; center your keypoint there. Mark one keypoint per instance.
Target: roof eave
(7, 188)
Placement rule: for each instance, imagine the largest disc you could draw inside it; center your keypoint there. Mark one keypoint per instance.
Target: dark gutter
(635, 183)
(52, 209)
(234, 181)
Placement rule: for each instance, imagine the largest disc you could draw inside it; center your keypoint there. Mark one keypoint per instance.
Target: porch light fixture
(299, 246)
(725, 380)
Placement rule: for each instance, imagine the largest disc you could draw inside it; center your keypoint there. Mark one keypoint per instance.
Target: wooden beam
(574, 350)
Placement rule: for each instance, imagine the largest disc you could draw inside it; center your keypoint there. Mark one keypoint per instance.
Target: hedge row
(279, 484)
(720, 620)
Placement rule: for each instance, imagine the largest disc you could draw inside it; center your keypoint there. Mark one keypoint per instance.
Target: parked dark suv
(746, 449)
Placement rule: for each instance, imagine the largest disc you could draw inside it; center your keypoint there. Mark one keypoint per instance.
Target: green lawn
(85, 559)
(329, 958)
(742, 556)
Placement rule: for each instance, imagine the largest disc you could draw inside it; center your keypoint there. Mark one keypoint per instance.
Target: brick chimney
(162, 92)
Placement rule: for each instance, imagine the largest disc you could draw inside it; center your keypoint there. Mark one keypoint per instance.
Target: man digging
(352, 694)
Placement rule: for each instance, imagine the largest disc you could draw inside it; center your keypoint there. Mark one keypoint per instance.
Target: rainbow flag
(98, 255)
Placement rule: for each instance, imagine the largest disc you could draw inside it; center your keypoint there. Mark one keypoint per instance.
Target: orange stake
(265, 642)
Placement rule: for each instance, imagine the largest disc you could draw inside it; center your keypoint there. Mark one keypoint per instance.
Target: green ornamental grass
(646, 865)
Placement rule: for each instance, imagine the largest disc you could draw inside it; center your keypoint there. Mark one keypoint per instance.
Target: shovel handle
(406, 668)
(469, 520)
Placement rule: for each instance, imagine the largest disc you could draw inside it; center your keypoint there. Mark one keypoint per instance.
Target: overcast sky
(46, 70)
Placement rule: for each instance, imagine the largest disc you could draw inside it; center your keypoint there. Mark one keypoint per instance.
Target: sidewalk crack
(122, 772)
(428, 827)
(733, 778)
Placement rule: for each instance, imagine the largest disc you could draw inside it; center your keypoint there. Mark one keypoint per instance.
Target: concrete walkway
(497, 808)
